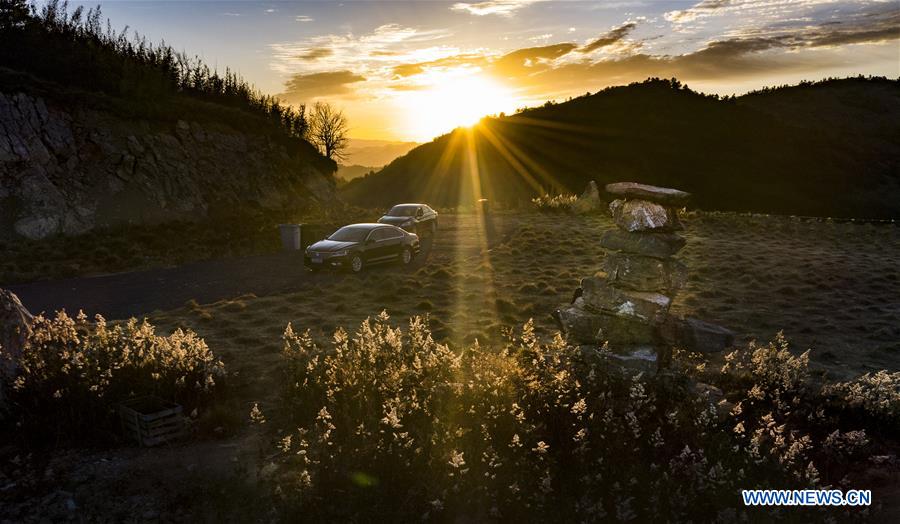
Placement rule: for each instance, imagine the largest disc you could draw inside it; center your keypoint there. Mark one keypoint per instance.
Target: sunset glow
(452, 101)
(414, 70)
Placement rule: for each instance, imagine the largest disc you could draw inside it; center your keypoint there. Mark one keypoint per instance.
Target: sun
(450, 100)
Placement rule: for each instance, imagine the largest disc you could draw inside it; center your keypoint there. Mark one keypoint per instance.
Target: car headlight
(341, 253)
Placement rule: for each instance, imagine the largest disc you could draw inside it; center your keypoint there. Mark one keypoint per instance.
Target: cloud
(302, 87)
(762, 42)
(303, 18)
(704, 8)
(798, 47)
(315, 53)
(462, 60)
(524, 60)
(336, 64)
(493, 7)
(613, 36)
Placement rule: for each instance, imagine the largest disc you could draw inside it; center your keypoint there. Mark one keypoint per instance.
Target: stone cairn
(627, 302)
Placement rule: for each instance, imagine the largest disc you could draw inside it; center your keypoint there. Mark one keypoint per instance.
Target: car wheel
(406, 256)
(356, 264)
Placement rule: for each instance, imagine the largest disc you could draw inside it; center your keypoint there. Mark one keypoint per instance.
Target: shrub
(555, 204)
(405, 428)
(875, 394)
(72, 374)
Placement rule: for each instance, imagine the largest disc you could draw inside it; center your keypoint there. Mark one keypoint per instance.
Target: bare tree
(328, 130)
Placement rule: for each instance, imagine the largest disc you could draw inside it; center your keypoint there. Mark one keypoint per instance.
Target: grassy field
(831, 287)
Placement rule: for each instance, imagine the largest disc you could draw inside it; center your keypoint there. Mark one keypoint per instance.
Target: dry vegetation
(831, 287)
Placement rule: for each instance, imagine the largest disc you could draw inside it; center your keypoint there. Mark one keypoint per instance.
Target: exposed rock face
(65, 170)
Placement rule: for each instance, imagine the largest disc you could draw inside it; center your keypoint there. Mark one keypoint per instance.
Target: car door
(393, 242)
(377, 248)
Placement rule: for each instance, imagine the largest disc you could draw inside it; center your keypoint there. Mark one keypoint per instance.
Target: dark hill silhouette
(829, 148)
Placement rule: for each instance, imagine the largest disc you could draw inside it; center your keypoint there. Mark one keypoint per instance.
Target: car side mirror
(370, 241)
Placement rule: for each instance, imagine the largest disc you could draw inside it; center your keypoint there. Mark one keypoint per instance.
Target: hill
(98, 129)
(379, 153)
(347, 173)
(830, 148)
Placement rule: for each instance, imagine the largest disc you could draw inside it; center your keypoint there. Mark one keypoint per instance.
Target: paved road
(135, 293)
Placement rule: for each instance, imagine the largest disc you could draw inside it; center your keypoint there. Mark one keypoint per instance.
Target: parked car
(358, 245)
(417, 218)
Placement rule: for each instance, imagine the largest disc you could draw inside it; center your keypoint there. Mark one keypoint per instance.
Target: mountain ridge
(777, 150)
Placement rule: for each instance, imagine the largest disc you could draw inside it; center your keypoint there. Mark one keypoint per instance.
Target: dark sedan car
(417, 218)
(358, 245)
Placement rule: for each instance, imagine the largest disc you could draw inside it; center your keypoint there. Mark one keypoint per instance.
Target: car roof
(367, 225)
(409, 204)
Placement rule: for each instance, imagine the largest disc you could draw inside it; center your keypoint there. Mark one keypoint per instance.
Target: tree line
(77, 48)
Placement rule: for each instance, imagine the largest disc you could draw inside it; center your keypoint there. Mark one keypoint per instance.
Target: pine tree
(13, 13)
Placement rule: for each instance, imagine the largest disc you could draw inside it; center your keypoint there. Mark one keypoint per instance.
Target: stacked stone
(627, 302)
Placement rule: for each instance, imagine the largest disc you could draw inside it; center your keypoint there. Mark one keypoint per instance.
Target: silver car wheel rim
(357, 263)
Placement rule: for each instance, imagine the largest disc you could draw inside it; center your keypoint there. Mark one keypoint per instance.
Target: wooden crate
(151, 421)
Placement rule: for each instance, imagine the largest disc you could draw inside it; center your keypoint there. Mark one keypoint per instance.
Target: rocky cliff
(67, 170)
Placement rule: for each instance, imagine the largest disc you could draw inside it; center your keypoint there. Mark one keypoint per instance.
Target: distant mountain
(347, 173)
(829, 148)
(379, 153)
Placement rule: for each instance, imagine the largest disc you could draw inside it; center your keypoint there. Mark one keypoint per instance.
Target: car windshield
(350, 234)
(402, 211)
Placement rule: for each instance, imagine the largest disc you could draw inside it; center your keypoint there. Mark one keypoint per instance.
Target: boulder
(585, 326)
(661, 195)
(629, 362)
(696, 335)
(642, 273)
(659, 245)
(638, 305)
(643, 215)
(15, 327)
(589, 200)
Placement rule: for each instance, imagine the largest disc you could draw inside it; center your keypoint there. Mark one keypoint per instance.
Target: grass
(830, 286)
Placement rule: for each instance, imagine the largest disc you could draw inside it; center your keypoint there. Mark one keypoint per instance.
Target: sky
(415, 70)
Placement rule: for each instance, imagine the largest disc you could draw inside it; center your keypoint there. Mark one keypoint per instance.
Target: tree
(13, 13)
(328, 130)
